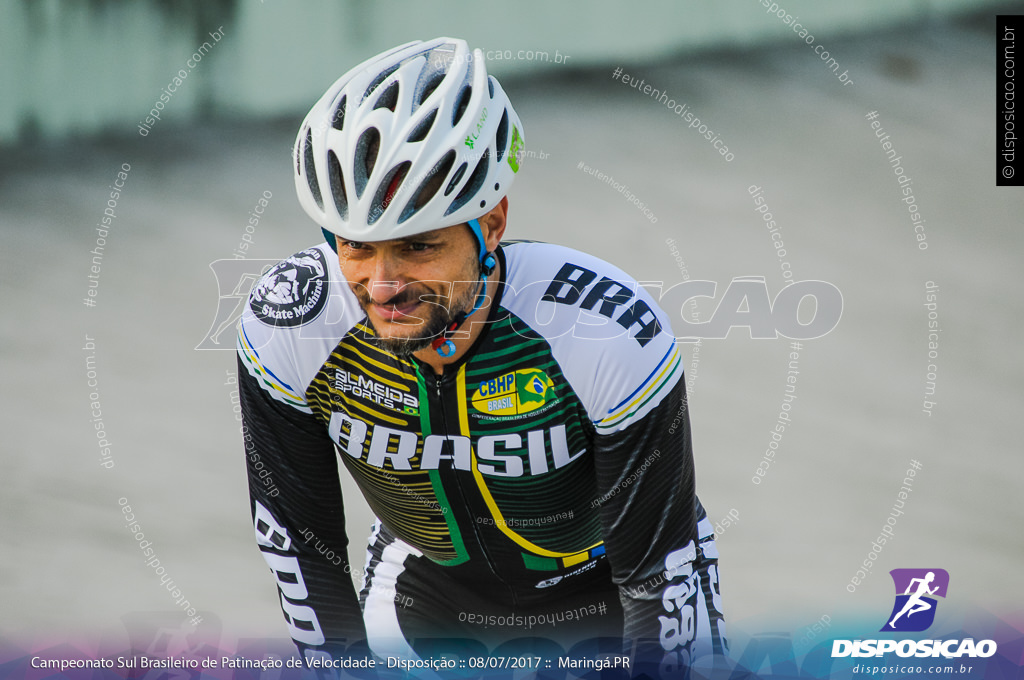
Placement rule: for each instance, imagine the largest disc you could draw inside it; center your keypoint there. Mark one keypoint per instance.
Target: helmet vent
(429, 87)
(337, 185)
(366, 157)
(338, 117)
(387, 191)
(381, 77)
(409, 140)
(501, 136)
(476, 180)
(460, 104)
(455, 179)
(388, 99)
(428, 189)
(423, 128)
(307, 156)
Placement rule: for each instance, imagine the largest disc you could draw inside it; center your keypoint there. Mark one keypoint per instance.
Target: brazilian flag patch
(514, 393)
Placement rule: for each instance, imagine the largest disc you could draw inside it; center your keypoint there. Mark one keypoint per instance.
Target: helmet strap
(443, 344)
(332, 240)
(487, 260)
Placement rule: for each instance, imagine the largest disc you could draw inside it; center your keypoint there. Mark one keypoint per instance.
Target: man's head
(414, 148)
(413, 288)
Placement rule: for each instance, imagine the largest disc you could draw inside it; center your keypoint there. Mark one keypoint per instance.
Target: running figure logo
(914, 610)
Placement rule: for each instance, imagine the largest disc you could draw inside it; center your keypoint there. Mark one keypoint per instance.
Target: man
(514, 414)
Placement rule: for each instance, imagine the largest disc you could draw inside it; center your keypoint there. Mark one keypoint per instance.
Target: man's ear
(492, 225)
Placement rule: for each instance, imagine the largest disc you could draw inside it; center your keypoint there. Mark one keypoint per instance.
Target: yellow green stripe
(461, 554)
(384, 367)
(499, 520)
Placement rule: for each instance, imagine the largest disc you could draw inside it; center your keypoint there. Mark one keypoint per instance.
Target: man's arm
(646, 480)
(299, 519)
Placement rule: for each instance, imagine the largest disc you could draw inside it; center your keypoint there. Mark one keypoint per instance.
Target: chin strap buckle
(442, 343)
(446, 348)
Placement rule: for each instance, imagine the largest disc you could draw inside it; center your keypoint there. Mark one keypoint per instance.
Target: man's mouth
(396, 311)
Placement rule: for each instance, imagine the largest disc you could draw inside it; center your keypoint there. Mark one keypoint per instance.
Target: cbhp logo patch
(513, 393)
(916, 590)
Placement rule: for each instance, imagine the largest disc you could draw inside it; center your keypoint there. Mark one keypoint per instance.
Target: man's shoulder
(547, 282)
(538, 256)
(296, 314)
(613, 342)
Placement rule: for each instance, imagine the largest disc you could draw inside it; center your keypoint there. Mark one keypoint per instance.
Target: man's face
(411, 288)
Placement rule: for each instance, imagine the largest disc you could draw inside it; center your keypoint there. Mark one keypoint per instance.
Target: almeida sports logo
(914, 611)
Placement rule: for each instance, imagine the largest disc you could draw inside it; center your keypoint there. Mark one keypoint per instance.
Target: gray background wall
(74, 68)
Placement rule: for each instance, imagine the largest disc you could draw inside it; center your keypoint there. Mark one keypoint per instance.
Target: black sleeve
(646, 481)
(299, 519)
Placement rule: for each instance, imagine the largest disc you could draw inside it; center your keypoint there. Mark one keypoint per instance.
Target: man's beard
(440, 313)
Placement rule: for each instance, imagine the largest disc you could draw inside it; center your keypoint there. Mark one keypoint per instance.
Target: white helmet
(369, 153)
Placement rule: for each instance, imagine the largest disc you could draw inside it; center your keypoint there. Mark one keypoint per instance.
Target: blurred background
(136, 357)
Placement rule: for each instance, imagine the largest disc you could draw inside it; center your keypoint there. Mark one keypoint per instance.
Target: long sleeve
(646, 480)
(299, 519)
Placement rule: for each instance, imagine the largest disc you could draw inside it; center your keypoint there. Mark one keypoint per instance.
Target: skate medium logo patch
(293, 292)
(916, 590)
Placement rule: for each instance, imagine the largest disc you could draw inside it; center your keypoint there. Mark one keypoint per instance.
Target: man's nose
(383, 281)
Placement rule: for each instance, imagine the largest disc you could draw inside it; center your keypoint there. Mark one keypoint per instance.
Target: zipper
(438, 382)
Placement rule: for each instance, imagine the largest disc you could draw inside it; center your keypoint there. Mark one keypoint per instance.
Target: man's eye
(354, 245)
(418, 247)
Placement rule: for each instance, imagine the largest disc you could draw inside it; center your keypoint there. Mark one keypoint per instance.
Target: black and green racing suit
(542, 485)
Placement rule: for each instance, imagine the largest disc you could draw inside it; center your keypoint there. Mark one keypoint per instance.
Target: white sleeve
(295, 316)
(613, 342)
